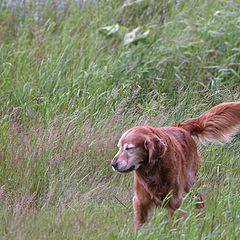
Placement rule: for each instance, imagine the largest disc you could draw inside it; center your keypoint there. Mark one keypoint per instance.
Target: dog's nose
(114, 166)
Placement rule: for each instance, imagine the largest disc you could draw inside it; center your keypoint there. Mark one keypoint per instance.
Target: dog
(165, 160)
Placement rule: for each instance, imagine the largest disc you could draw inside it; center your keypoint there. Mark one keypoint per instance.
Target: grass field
(69, 87)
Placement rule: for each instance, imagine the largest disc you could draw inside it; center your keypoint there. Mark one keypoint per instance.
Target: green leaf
(137, 34)
(109, 30)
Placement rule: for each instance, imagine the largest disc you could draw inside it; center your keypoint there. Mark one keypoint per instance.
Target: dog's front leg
(141, 209)
(174, 202)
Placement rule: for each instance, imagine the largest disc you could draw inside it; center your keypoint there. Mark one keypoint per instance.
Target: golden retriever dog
(165, 160)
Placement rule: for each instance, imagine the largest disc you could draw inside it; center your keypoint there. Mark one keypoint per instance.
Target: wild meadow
(74, 75)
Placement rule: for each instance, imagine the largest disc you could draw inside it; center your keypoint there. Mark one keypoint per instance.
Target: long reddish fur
(173, 157)
(217, 124)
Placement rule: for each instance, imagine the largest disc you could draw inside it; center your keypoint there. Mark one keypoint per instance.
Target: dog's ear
(156, 148)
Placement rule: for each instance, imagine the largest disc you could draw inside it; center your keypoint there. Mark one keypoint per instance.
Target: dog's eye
(129, 148)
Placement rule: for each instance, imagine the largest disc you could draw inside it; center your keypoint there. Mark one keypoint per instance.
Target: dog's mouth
(124, 170)
(129, 169)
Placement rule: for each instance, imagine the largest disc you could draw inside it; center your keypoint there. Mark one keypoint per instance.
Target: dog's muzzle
(116, 168)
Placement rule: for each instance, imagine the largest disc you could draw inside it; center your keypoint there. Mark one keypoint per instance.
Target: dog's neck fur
(152, 180)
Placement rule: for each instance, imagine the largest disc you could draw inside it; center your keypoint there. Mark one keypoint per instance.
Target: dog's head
(137, 146)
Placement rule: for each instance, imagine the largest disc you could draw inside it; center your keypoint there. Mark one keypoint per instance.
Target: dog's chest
(154, 189)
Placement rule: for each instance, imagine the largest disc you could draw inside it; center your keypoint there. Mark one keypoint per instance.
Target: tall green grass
(67, 92)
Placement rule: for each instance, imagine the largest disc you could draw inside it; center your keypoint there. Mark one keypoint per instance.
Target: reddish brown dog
(165, 160)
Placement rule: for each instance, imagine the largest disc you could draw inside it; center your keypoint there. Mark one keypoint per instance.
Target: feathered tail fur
(217, 124)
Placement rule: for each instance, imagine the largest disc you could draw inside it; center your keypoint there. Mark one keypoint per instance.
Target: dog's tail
(218, 124)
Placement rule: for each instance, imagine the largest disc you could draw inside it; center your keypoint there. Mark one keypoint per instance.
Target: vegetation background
(74, 75)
